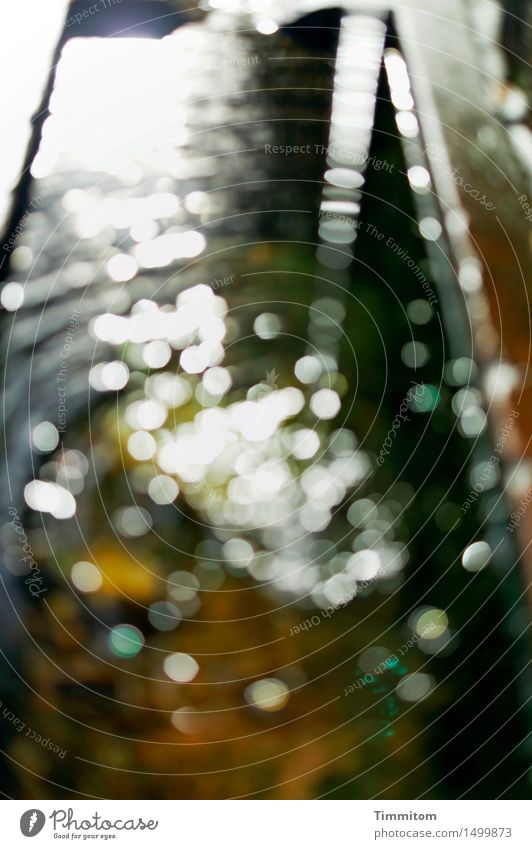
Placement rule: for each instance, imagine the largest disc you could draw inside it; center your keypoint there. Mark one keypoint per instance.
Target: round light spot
(172, 390)
(190, 244)
(476, 556)
(466, 399)
(146, 415)
(423, 398)
(419, 311)
(430, 229)
(305, 444)
(181, 667)
(71, 478)
(267, 26)
(109, 376)
(334, 258)
(86, 577)
(163, 489)
(414, 687)
(12, 296)
(470, 275)
(473, 422)
(325, 404)
(376, 660)
(345, 178)
(132, 521)
(45, 437)
(186, 720)
(210, 575)
(183, 586)
(484, 475)
(238, 552)
(21, 258)
(157, 354)
(164, 616)
(161, 205)
(151, 414)
(144, 230)
(126, 640)
(460, 372)
(141, 445)
(217, 381)
(197, 202)
(122, 267)
(362, 512)
(418, 177)
(431, 624)
(414, 354)
(194, 359)
(407, 124)
(47, 497)
(308, 369)
(269, 694)
(337, 232)
(364, 565)
(267, 325)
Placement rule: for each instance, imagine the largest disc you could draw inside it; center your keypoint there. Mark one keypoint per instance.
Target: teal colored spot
(424, 398)
(392, 708)
(126, 641)
(392, 663)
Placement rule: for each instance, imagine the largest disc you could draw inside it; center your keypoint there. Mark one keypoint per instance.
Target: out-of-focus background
(265, 329)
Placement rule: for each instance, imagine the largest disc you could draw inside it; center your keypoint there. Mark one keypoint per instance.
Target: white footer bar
(266, 824)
